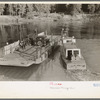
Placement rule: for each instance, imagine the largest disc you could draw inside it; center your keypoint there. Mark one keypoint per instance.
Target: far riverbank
(7, 20)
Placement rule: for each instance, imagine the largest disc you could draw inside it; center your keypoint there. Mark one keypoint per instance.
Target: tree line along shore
(12, 13)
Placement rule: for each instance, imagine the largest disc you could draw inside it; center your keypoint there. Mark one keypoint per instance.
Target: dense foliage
(28, 9)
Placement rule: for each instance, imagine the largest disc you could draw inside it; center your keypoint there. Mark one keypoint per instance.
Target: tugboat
(71, 54)
(28, 51)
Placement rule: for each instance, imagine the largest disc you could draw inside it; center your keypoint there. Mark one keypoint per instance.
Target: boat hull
(73, 65)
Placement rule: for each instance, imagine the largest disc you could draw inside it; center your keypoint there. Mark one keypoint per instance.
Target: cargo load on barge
(24, 53)
(71, 54)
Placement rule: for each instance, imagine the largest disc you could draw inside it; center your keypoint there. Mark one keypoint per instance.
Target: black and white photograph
(49, 42)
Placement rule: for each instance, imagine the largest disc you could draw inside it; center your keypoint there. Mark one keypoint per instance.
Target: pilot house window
(69, 57)
(72, 54)
(76, 53)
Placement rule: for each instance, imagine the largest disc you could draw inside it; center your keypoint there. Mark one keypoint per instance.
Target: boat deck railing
(38, 51)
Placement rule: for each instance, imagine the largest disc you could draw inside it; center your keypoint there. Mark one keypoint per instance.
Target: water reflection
(81, 30)
(15, 32)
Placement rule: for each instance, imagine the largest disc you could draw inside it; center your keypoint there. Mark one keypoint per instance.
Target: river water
(88, 39)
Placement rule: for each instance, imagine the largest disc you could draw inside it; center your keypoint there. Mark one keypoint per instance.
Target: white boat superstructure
(71, 54)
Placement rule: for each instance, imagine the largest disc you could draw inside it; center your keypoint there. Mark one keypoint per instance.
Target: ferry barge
(71, 54)
(24, 54)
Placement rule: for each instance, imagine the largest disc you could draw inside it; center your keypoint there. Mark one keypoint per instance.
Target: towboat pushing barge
(16, 54)
(71, 55)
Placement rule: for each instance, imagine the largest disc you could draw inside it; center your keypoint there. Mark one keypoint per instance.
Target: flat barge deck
(30, 55)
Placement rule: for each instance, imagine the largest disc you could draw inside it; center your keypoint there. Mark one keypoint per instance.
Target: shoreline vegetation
(9, 20)
(23, 13)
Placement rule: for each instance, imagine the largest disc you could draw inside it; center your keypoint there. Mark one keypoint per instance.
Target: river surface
(88, 39)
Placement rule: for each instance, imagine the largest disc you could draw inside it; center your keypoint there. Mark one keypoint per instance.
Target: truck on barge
(22, 54)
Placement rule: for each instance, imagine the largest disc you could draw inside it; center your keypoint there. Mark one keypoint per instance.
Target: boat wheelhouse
(71, 55)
